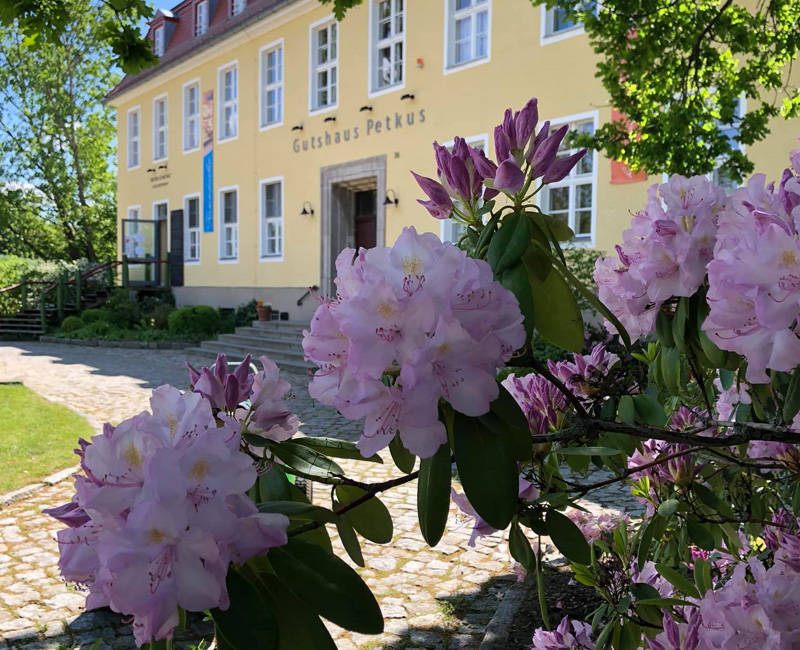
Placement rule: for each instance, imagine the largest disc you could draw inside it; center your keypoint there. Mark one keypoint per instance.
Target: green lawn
(36, 437)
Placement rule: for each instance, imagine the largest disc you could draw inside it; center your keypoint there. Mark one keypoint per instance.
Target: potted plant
(264, 310)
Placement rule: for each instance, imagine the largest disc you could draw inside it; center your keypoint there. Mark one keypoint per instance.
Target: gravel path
(436, 599)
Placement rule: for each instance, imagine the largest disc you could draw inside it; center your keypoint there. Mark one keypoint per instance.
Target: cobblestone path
(433, 599)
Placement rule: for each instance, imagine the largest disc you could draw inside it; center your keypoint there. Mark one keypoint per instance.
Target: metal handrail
(307, 294)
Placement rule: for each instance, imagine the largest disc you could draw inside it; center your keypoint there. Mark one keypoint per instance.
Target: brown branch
(543, 370)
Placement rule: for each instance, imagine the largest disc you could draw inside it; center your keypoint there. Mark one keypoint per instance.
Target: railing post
(125, 276)
(112, 273)
(61, 291)
(167, 280)
(78, 289)
(24, 292)
(43, 311)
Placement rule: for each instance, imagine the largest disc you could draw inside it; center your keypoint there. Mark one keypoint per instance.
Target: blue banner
(208, 192)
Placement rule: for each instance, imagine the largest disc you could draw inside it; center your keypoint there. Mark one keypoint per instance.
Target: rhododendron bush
(194, 505)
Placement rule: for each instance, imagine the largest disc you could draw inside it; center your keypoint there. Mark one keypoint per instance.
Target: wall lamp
(151, 170)
(388, 201)
(308, 211)
(365, 108)
(162, 166)
(299, 127)
(407, 96)
(329, 119)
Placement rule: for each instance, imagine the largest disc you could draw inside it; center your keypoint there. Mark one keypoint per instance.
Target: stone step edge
(15, 495)
(135, 345)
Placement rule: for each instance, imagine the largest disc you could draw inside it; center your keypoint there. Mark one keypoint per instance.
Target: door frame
(373, 167)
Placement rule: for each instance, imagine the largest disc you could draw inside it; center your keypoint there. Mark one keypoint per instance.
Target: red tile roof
(183, 44)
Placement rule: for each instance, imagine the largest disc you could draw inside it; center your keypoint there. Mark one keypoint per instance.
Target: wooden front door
(366, 217)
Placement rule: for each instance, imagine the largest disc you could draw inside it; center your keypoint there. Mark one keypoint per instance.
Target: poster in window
(208, 161)
(620, 172)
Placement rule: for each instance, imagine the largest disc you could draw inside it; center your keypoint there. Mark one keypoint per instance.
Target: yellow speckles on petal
(385, 310)
(412, 265)
(156, 536)
(172, 420)
(444, 348)
(788, 258)
(133, 456)
(199, 469)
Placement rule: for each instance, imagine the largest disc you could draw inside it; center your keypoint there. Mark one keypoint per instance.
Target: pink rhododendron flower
(423, 314)
(596, 527)
(569, 635)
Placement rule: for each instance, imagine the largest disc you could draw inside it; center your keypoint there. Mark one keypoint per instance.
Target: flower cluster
(664, 253)
(596, 528)
(754, 279)
(161, 510)
(467, 176)
(569, 635)
(411, 324)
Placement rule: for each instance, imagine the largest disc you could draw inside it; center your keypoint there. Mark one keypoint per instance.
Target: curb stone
(134, 345)
(16, 495)
(496, 635)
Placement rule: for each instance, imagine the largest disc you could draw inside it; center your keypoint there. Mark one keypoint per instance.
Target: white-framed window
(573, 200)
(324, 65)
(228, 102)
(557, 26)
(452, 230)
(158, 41)
(134, 138)
(467, 32)
(160, 210)
(387, 44)
(731, 132)
(201, 18)
(132, 241)
(272, 218)
(191, 116)
(271, 105)
(229, 224)
(191, 228)
(238, 6)
(160, 125)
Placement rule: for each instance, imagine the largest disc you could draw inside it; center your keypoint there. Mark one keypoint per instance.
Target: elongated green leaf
(350, 540)
(791, 405)
(558, 317)
(677, 580)
(298, 510)
(669, 507)
(371, 518)
(336, 448)
(299, 627)
(433, 494)
(567, 538)
(248, 623)
(627, 411)
(587, 451)
(509, 243)
(642, 591)
(700, 535)
(671, 370)
(679, 321)
(517, 429)
(649, 410)
(487, 469)
(726, 378)
(306, 460)
(535, 260)
(713, 501)
(666, 602)
(646, 539)
(328, 586)
(664, 329)
(318, 536)
(515, 279)
(520, 548)
(403, 458)
(273, 485)
(486, 234)
(256, 441)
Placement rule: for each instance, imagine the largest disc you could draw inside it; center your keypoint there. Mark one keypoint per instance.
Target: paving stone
(23, 634)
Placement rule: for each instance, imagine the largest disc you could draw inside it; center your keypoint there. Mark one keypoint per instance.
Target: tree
(56, 134)
(677, 70)
(42, 22)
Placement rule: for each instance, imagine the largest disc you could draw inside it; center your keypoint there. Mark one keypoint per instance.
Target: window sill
(322, 109)
(466, 65)
(134, 168)
(228, 139)
(192, 150)
(268, 127)
(228, 260)
(562, 35)
(386, 90)
(191, 262)
(271, 258)
(156, 160)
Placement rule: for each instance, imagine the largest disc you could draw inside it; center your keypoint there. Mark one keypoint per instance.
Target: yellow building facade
(269, 137)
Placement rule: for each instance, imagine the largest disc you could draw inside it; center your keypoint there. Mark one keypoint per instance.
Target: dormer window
(238, 6)
(158, 41)
(201, 18)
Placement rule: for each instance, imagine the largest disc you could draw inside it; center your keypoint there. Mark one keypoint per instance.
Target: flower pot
(264, 313)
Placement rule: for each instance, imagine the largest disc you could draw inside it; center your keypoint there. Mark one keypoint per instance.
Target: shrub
(90, 316)
(71, 324)
(122, 311)
(227, 321)
(159, 316)
(246, 313)
(195, 320)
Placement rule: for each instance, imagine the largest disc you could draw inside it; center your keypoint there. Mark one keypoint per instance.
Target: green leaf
(336, 448)
(702, 576)
(273, 485)
(664, 329)
(646, 539)
(508, 411)
(726, 378)
(318, 536)
(649, 410)
(558, 317)
(700, 535)
(487, 470)
(643, 591)
(298, 510)
(350, 540)
(516, 281)
(679, 325)
(666, 602)
(669, 507)
(713, 501)
(671, 370)
(677, 580)
(371, 518)
(509, 243)
(403, 458)
(306, 460)
(520, 548)
(791, 405)
(626, 411)
(257, 441)
(248, 618)
(327, 585)
(567, 538)
(299, 627)
(433, 494)
(587, 451)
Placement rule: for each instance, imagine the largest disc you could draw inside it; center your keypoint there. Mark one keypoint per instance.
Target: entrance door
(366, 217)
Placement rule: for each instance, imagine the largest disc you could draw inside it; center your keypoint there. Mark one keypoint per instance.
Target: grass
(36, 437)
